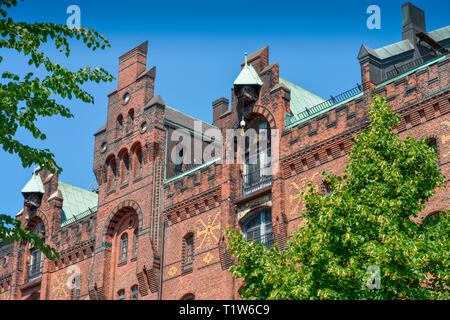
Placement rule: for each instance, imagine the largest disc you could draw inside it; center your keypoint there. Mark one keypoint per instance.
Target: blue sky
(197, 47)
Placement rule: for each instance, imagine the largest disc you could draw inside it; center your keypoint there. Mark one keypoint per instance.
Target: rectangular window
(134, 293)
(135, 249)
(189, 249)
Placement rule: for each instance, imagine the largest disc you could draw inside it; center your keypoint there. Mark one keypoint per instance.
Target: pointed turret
(248, 76)
(34, 185)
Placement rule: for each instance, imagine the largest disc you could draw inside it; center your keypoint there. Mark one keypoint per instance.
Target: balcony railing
(256, 180)
(290, 119)
(79, 216)
(34, 271)
(398, 69)
(265, 239)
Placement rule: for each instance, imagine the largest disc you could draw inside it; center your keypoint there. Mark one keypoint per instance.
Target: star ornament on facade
(208, 231)
(60, 289)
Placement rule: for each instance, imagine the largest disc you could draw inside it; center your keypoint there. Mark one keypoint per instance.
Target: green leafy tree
(23, 99)
(12, 230)
(367, 220)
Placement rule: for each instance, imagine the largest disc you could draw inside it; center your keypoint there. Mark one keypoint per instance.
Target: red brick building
(154, 229)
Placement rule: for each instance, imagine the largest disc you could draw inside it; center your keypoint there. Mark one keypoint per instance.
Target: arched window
(134, 292)
(432, 142)
(121, 294)
(124, 247)
(257, 167)
(257, 227)
(326, 187)
(137, 163)
(131, 119)
(188, 296)
(124, 166)
(119, 125)
(111, 172)
(188, 250)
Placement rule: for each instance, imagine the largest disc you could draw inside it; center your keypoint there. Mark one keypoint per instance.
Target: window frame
(264, 225)
(123, 248)
(121, 294)
(135, 294)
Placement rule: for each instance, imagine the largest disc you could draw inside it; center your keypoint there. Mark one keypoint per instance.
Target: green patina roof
(34, 185)
(300, 98)
(75, 200)
(394, 49)
(440, 34)
(248, 76)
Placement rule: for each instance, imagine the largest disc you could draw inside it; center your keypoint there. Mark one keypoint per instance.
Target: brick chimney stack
(413, 22)
(131, 64)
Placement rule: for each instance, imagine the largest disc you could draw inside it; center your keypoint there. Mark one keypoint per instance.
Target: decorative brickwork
(137, 197)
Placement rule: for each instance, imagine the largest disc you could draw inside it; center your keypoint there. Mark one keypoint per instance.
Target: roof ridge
(68, 184)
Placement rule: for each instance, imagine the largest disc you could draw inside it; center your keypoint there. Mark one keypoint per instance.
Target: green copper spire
(248, 76)
(34, 185)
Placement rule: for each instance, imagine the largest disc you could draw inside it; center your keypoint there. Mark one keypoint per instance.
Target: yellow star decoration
(60, 289)
(209, 229)
(172, 271)
(445, 139)
(295, 196)
(208, 258)
(296, 193)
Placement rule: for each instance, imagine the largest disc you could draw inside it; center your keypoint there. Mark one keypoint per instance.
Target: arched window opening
(188, 296)
(112, 173)
(257, 227)
(134, 292)
(137, 163)
(121, 294)
(131, 119)
(124, 247)
(327, 187)
(124, 167)
(188, 251)
(257, 171)
(119, 125)
(432, 142)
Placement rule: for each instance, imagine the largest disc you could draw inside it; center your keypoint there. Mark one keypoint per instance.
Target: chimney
(258, 59)
(132, 64)
(220, 106)
(413, 22)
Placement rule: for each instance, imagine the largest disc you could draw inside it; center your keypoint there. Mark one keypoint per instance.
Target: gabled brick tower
(128, 165)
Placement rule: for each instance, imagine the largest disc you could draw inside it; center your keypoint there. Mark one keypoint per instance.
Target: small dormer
(247, 85)
(33, 191)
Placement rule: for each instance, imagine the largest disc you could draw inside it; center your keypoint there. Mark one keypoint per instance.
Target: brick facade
(138, 198)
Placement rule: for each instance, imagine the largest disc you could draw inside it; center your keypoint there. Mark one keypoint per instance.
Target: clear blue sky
(197, 47)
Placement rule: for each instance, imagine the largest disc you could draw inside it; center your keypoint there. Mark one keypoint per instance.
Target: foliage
(12, 230)
(24, 99)
(369, 219)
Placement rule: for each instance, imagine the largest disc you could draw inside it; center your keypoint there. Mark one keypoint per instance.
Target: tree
(12, 230)
(24, 99)
(367, 220)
